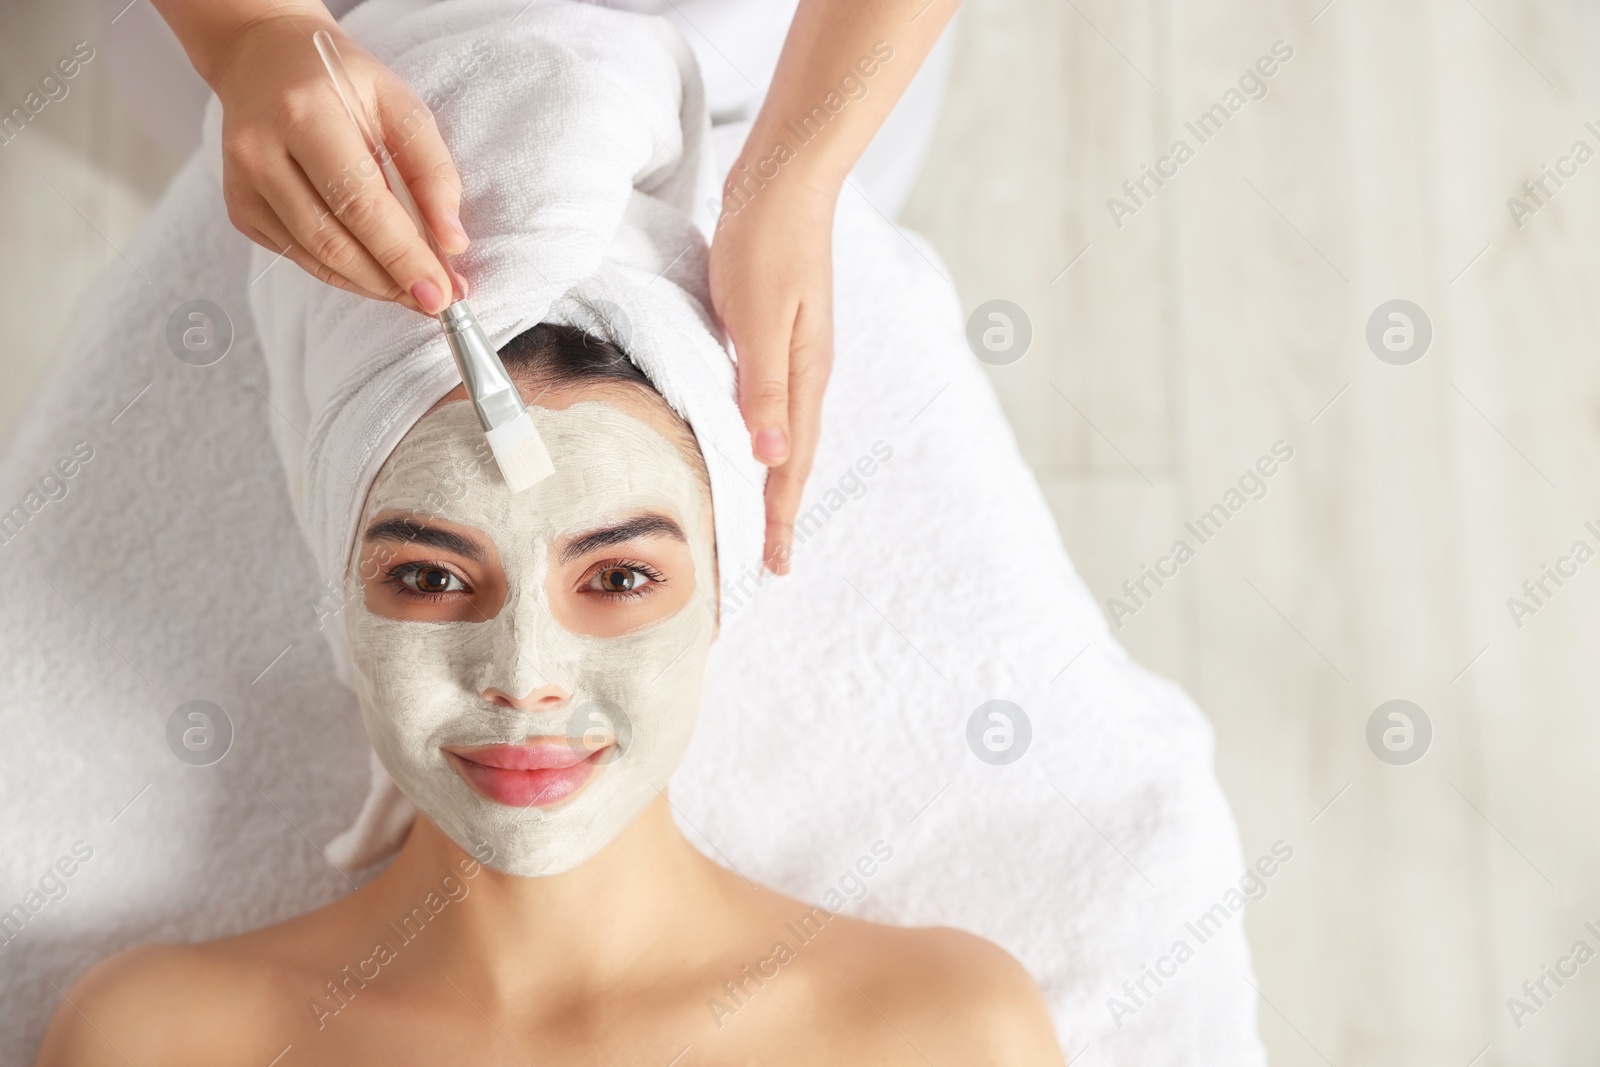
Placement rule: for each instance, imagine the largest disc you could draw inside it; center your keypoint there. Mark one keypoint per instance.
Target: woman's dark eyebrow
(627, 530)
(411, 532)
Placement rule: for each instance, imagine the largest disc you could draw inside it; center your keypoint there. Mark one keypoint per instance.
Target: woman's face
(529, 665)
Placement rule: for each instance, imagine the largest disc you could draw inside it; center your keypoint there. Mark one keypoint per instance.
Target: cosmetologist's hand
(844, 65)
(772, 286)
(297, 176)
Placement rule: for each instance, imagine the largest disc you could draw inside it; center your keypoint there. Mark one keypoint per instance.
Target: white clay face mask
(422, 683)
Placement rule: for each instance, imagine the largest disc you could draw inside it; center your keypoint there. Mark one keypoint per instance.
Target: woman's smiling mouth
(540, 772)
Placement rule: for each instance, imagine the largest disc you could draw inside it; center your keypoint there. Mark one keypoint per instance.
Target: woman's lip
(535, 754)
(554, 778)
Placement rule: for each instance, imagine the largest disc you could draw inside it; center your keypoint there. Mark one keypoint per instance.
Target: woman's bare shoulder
(963, 995)
(169, 1004)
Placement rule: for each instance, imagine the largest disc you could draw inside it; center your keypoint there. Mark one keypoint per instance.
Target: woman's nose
(541, 698)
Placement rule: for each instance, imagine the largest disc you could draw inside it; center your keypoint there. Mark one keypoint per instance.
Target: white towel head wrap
(581, 136)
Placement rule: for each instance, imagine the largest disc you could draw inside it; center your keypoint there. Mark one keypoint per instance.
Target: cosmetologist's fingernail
(777, 561)
(428, 297)
(772, 446)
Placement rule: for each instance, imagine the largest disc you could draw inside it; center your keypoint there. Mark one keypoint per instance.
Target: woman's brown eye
(430, 580)
(620, 580)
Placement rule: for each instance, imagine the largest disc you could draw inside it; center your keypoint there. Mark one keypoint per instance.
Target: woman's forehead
(607, 463)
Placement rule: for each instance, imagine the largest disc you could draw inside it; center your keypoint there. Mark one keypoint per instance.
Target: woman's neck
(634, 911)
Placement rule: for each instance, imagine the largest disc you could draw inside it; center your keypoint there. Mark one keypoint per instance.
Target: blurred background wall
(1181, 331)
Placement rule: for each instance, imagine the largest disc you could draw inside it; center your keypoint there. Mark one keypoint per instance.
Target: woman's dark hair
(551, 354)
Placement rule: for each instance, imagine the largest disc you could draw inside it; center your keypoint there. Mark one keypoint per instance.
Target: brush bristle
(518, 449)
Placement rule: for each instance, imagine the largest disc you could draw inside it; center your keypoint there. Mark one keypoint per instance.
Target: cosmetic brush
(515, 442)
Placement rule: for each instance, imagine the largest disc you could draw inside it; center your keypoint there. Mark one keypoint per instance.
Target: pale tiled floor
(1228, 314)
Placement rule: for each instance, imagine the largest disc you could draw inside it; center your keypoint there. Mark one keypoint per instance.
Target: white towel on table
(836, 709)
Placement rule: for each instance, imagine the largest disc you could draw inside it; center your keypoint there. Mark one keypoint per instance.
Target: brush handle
(357, 110)
(494, 395)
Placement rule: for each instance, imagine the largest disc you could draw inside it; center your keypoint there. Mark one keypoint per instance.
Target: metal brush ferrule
(494, 395)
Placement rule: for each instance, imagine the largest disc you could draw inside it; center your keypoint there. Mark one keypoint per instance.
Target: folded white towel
(836, 715)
